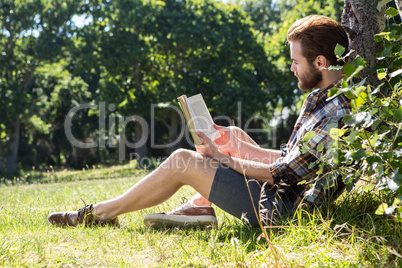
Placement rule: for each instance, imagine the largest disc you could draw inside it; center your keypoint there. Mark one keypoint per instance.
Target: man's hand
(228, 142)
(208, 148)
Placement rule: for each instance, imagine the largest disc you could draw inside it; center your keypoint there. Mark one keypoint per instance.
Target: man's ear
(321, 62)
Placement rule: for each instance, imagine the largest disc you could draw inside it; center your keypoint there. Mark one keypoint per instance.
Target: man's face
(308, 75)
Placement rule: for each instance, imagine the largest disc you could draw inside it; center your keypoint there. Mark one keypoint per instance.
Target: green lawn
(347, 234)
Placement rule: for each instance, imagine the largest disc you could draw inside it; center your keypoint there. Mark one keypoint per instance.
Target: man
(233, 172)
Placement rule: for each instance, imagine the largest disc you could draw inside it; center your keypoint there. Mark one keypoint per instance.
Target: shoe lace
(84, 211)
(184, 203)
(183, 200)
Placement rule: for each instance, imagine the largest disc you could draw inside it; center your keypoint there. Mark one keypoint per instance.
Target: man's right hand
(227, 143)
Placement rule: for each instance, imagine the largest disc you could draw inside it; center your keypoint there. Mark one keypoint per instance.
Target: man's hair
(318, 36)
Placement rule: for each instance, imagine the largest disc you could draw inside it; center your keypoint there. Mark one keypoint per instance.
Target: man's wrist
(224, 159)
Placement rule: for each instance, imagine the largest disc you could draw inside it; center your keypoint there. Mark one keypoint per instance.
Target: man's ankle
(101, 213)
(200, 202)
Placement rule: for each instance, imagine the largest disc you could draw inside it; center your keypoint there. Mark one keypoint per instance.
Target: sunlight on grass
(345, 234)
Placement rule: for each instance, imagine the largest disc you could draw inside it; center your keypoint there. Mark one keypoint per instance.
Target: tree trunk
(11, 158)
(140, 151)
(363, 21)
(399, 6)
(174, 131)
(1, 163)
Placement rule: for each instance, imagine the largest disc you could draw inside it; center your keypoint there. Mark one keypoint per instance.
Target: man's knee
(181, 159)
(182, 153)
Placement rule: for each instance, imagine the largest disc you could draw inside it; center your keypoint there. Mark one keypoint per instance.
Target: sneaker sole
(177, 220)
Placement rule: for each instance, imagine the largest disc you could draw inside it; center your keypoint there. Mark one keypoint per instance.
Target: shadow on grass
(222, 233)
(69, 175)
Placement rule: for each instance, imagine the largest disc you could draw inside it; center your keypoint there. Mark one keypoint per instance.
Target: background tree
(218, 57)
(31, 32)
(264, 14)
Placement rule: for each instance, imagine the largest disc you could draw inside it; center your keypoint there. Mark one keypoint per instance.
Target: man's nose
(292, 68)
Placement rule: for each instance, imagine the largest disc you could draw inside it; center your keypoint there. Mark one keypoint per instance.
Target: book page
(201, 117)
(187, 114)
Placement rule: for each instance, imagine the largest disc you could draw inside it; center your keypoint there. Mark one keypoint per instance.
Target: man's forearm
(255, 153)
(253, 169)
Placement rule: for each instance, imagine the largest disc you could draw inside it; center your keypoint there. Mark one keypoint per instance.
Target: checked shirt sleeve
(294, 167)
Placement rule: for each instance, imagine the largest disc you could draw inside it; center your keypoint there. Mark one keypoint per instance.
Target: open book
(198, 117)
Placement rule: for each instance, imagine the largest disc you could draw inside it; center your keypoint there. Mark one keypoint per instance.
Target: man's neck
(330, 77)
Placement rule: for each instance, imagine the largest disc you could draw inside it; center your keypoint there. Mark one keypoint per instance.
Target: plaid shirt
(319, 114)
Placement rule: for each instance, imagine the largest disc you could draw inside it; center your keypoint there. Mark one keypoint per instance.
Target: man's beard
(310, 80)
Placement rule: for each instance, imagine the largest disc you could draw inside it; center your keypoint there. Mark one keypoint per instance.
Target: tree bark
(141, 151)
(363, 21)
(398, 4)
(174, 131)
(11, 158)
(1, 163)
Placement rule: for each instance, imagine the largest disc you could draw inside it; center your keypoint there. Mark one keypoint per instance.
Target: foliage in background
(129, 54)
(32, 33)
(135, 53)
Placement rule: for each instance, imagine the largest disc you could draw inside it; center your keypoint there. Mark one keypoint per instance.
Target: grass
(345, 234)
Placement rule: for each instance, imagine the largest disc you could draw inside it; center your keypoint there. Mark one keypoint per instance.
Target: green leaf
(380, 170)
(355, 119)
(351, 137)
(373, 139)
(339, 50)
(396, 202)
(336, 133)
(392, 12)
(350, 95)
(359, 61)
(39, 124)
(398, 152)
(304, 148)
(381, 4)
(333, 92)
(381, 76)
(397, 177)
(360, 100)
(312, 165)
(123, 103)
(398, 113)
(308, 136)
(384, 53)
(321, 168)
(381, 209)
(375, 124)
(320, 147)
(349, 69)
(359, 154)
(360, 89)
(368, 188)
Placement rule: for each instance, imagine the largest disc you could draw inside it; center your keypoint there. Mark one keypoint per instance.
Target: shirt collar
(315, 96)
